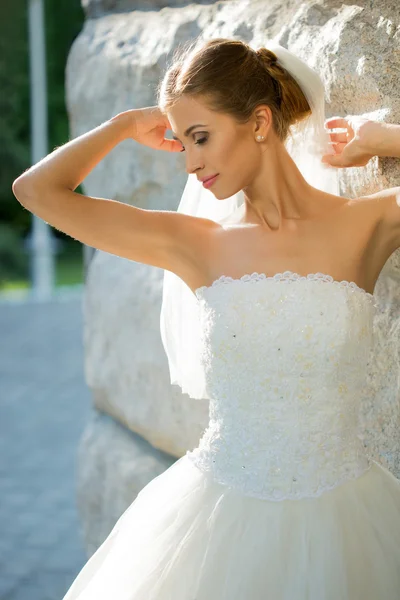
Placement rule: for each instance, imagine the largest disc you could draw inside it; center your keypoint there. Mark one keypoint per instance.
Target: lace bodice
(285, 360)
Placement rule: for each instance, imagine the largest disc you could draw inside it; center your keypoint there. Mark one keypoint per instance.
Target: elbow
(22, 189)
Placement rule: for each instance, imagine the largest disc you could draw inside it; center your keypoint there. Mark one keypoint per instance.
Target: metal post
(43, 246)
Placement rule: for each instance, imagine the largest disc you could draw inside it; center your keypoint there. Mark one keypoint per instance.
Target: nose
(193, 164)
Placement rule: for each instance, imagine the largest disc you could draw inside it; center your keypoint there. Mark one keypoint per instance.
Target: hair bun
(267, 56)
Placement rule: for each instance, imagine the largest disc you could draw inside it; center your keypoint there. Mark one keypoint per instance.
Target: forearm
(67, 166)
(384, 140)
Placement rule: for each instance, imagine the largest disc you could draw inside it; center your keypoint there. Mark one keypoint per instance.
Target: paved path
(44, 405)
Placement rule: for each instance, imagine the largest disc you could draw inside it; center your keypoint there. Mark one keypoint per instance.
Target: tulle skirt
(187, 537)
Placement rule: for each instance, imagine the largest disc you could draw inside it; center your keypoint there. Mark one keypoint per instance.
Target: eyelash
(199, 141)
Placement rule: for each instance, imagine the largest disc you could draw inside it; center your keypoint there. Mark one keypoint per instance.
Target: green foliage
(69, 266)
(13, 263)
(15, 268)
(64, 20)
(14, 105)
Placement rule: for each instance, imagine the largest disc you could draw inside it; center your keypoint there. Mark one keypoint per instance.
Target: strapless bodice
(285, 361)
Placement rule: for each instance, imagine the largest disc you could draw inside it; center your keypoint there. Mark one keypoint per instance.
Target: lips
(208, 178)
(209, 181)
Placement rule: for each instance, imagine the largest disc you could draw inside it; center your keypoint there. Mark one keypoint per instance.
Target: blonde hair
(233, 78)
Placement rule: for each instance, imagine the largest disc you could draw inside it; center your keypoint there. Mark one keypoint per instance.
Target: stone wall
(99, 8)
(115, 64)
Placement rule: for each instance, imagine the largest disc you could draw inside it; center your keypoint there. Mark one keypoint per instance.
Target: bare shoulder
(383, 208)
(193, 248)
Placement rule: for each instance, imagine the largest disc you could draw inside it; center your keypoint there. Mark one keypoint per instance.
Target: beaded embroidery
(285, 372)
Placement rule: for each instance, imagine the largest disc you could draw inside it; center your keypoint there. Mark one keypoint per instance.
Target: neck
(279, 193)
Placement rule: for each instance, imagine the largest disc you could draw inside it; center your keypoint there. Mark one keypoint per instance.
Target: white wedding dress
(279, 501)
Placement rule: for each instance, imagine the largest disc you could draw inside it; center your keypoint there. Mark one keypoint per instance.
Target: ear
(262, 120)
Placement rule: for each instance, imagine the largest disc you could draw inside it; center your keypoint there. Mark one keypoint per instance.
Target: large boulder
(114, 464)
(98, 8)
(115, 64)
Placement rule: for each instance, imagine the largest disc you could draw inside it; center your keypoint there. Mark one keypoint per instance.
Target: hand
(352, 147)
(148, 126)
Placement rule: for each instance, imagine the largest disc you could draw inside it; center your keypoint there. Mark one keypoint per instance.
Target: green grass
(11, 286)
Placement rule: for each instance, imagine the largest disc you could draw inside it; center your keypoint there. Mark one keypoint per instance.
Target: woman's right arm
(66, 167)
(164, 239)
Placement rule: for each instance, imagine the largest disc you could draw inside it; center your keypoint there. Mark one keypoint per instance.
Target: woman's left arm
(384, 140)
(362, 140)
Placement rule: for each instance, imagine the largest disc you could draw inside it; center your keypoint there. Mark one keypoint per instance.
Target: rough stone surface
(114, 465)
(125, 363)
(116, 64)
(98, 8)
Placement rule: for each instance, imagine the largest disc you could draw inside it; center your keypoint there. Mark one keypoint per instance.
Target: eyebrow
(188, 131)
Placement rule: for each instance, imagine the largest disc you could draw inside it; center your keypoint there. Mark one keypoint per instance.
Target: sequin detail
(285, 374)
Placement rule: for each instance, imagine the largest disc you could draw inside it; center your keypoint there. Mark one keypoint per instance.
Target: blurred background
(63, 21)
(44, 401)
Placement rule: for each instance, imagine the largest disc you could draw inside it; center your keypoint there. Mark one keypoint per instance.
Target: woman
(279, 501)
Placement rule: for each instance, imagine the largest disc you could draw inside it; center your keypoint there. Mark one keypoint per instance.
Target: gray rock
(114, 464)
(98, 8)
(116, 64)
(125, 363)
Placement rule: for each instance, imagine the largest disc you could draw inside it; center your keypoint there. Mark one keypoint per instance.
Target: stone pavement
(44, 405)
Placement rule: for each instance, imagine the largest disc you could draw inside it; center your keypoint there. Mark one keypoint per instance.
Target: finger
(339, 147)
(338, 137)
(336, 122)
(171, 145)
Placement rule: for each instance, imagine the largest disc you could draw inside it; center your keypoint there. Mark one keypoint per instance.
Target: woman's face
(216, 143)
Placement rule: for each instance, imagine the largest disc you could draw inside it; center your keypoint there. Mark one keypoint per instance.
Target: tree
(64, 20)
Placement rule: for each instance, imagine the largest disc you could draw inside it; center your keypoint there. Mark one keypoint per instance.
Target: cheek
(225, 150)
(243, 156)
(233, 150)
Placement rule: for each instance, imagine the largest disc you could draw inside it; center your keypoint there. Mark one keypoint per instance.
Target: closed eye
(199, 141)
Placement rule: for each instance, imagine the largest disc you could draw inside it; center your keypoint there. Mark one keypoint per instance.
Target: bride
(268, 303)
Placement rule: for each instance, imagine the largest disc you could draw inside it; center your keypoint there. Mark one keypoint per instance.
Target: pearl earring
(260, 138)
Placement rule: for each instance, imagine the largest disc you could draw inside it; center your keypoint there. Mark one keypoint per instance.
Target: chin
(227, 196)
(223, 194)
(220, 196)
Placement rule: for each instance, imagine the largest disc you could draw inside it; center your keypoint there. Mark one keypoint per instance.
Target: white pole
(42, 240)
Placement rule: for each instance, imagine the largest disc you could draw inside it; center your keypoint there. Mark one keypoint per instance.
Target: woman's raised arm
(361, 140)
(66, 167)
(165, 239)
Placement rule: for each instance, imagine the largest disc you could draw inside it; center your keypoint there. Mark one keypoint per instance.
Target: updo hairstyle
(233, 78)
